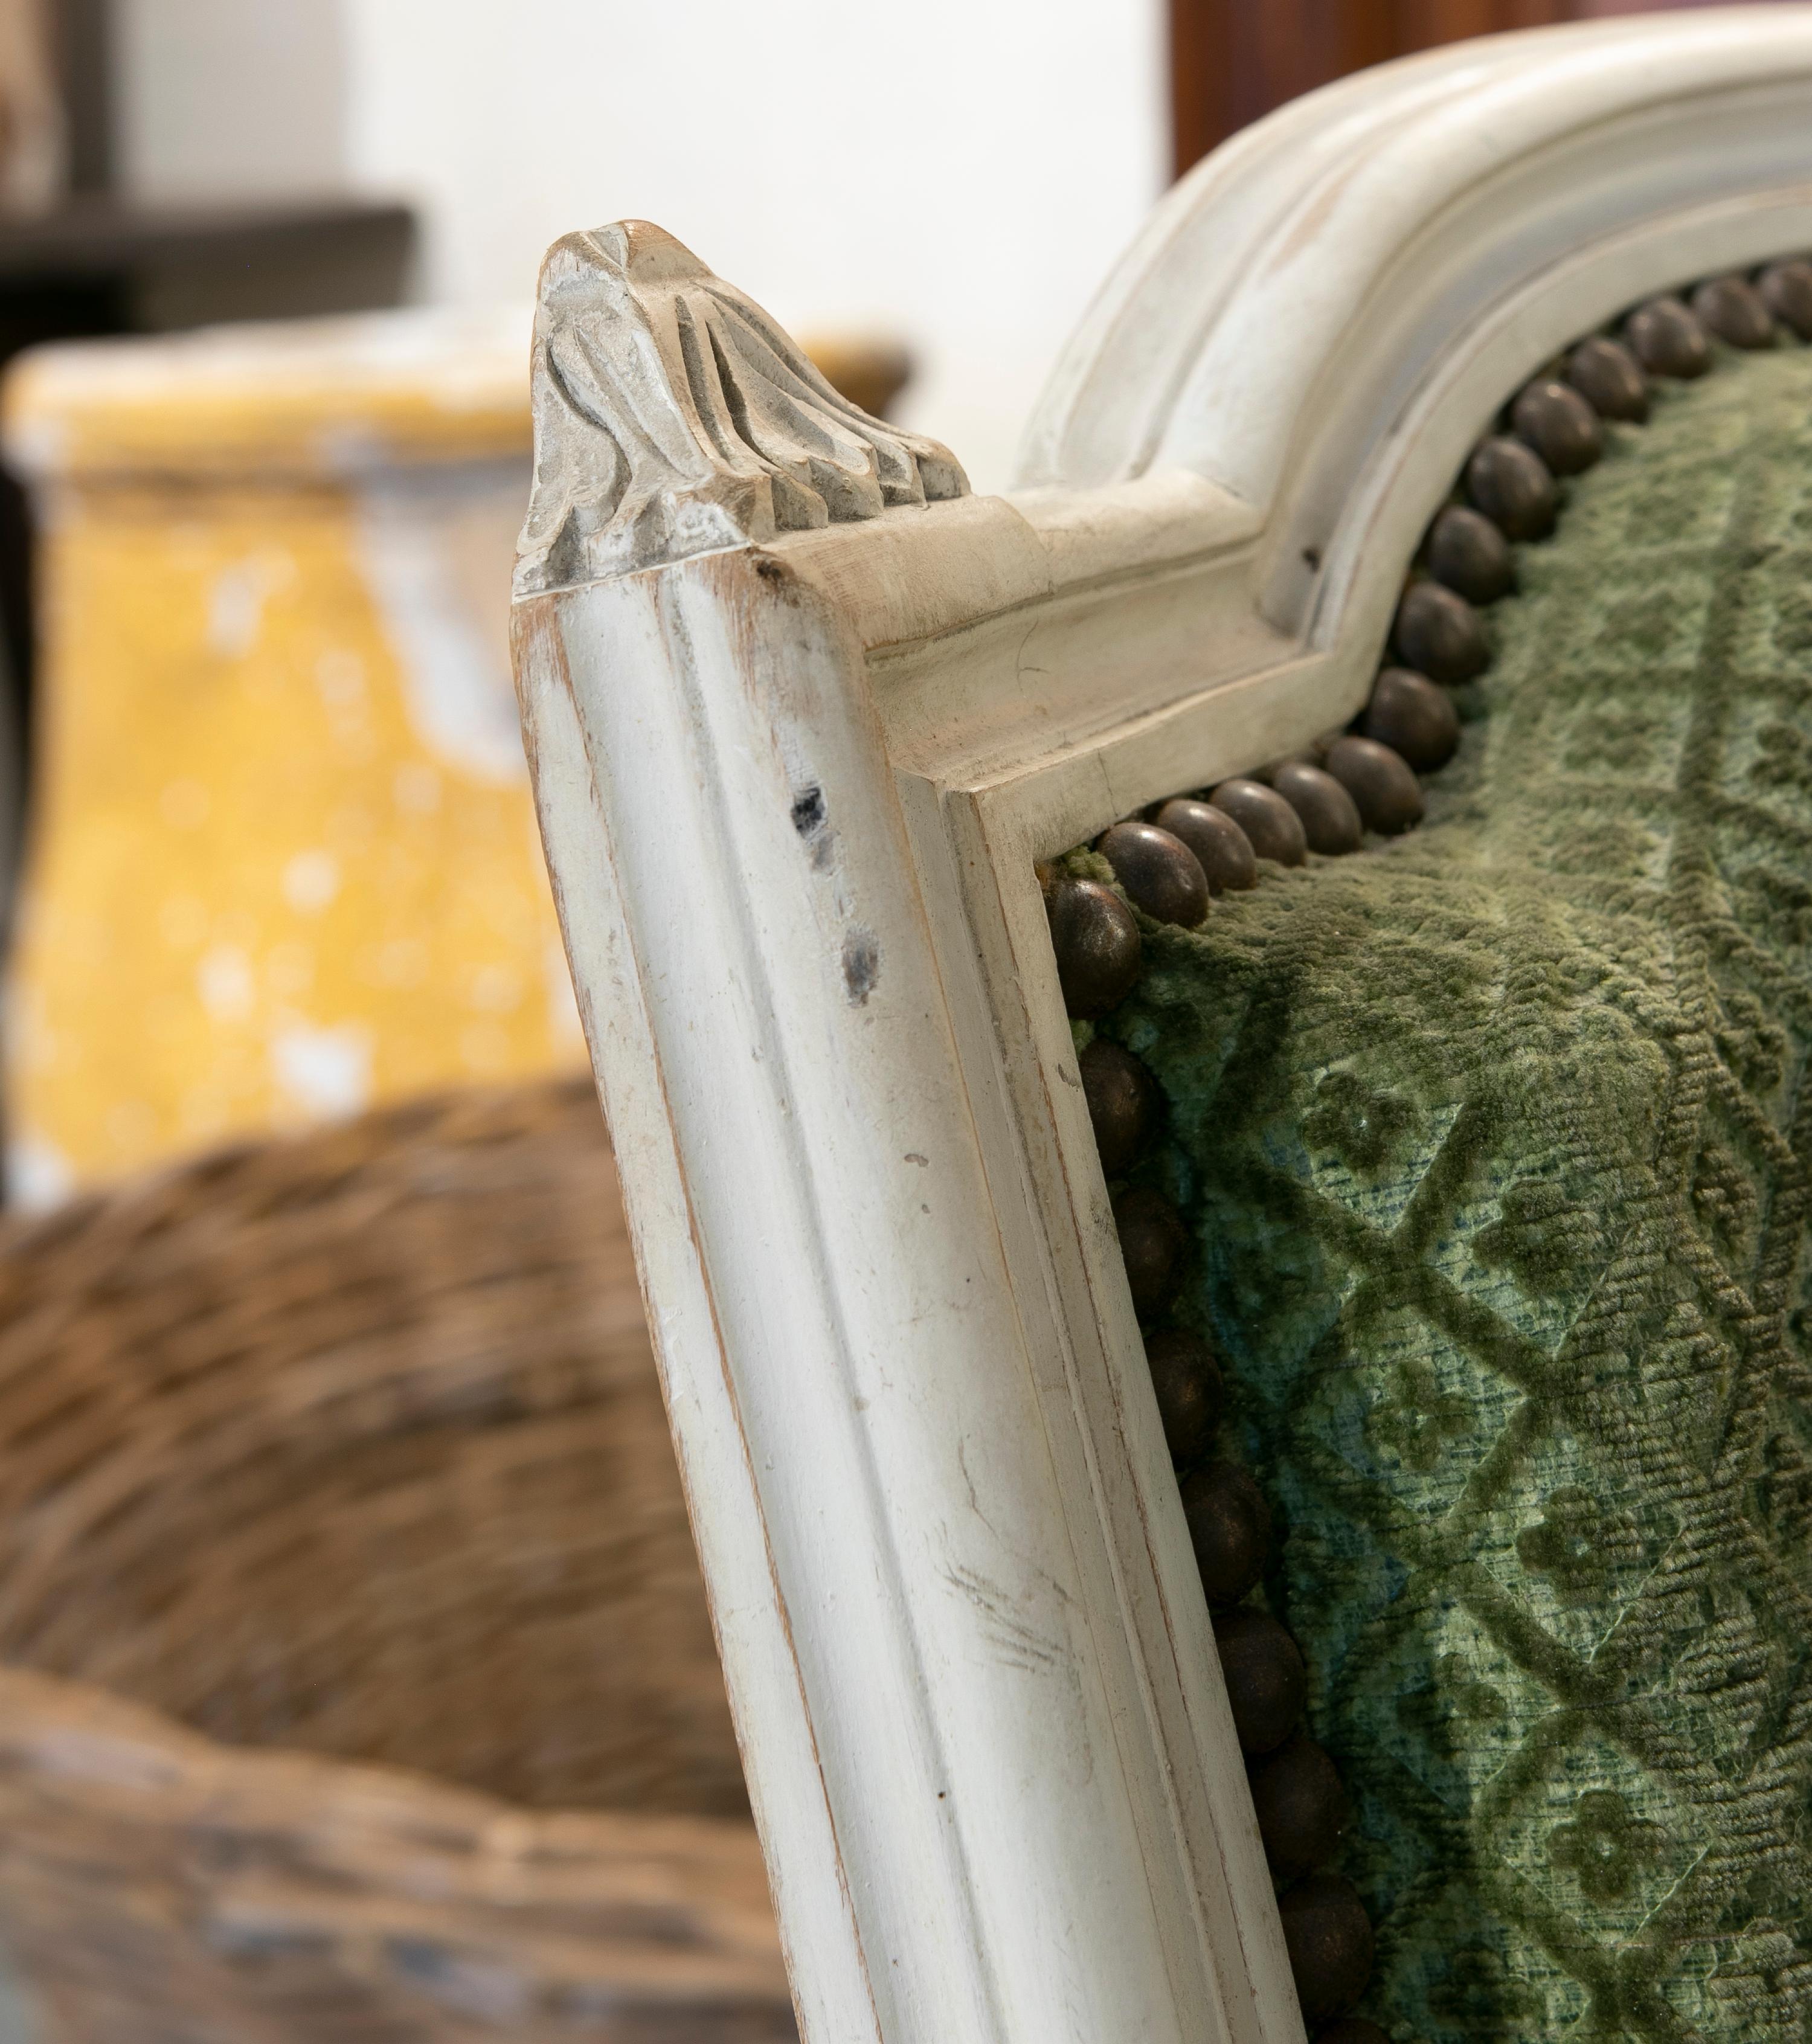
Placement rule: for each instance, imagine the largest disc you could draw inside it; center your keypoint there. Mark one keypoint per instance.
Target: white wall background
(963, 171)
(239, 99)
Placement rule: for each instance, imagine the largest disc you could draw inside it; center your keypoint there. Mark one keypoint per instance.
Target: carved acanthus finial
(673, 416)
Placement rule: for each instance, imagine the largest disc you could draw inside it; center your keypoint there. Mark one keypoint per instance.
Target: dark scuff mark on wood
(861, 965)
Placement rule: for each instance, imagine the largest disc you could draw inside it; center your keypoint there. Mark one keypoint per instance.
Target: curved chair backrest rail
(802, 714)
(1472, 167)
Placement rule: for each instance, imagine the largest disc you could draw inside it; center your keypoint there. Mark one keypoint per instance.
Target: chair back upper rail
(794, 756)
(1277, 427)
(1206, 341)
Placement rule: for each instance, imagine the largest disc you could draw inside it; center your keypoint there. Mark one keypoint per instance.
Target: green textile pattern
(1494, 1141)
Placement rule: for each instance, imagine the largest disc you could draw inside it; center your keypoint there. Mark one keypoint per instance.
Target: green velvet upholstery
(1495, 1139)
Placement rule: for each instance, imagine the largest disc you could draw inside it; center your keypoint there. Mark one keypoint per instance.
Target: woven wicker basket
(356, 1683)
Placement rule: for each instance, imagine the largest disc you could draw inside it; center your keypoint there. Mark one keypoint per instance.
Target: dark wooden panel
(1232, 60)
(83, 31)
(103, 237)
(1425, 23)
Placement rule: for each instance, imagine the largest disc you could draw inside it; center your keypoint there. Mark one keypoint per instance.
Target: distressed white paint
(323, 1072)
(791, 793)
(364, 373)
(39, 1177)
(433, 550)
(673, 416)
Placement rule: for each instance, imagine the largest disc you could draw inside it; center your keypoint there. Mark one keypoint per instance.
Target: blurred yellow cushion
(283, 862)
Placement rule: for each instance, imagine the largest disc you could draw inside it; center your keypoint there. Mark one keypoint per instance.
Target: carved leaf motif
(673, 416)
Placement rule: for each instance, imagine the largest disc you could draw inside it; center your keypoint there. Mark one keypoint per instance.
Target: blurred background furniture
(80, 254)
(284, 864)
(356, 1675)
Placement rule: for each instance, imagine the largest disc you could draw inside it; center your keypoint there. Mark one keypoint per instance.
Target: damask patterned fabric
(1495, 1139)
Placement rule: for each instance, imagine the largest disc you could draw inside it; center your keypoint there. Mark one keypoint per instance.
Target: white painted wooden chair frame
(792, 782)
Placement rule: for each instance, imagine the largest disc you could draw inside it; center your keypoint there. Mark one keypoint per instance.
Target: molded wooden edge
(1179, 610)
(1202, 348)
(857, 1334)
(832, 1995)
